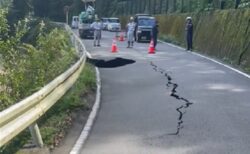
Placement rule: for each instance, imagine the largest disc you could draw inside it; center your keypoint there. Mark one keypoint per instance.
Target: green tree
(4, 3)
(52, 9)
(18, 10)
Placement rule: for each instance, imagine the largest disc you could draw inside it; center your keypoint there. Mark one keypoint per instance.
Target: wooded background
(130, 7)
(56, 9)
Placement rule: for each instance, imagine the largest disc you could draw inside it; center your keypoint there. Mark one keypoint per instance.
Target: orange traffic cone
(151, 49)
(114, 46)
(121, 37)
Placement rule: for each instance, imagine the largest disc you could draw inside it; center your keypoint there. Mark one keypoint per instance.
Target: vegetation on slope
(221, 34)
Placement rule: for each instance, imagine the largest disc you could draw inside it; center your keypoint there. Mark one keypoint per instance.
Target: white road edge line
(210, 59)
(92, 116)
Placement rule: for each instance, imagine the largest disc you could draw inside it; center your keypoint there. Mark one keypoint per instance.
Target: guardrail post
(36, 135)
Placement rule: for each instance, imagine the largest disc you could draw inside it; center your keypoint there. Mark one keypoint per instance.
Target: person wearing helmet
(97, 26)
(189, 33)
(130, 32)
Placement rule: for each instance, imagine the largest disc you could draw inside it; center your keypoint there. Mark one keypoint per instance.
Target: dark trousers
(189, 42)
(155, 41)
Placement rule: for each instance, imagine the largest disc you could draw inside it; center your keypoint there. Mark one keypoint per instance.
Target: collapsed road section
(185, 102)
(110, 63)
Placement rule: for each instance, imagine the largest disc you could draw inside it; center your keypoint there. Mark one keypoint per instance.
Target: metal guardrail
(25, 113)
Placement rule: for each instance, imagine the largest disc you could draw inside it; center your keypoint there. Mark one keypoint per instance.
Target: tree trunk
(173, 5)
(182, 5)
(161, 2)
(189, 6)
(222, 4)
(237, 3)
(149, 6)
(144, 6)
(154, 4)
(167, 6)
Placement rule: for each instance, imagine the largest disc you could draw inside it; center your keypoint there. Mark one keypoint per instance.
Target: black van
(144, 25)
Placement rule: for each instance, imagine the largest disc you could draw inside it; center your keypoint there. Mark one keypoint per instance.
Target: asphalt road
(172, 102)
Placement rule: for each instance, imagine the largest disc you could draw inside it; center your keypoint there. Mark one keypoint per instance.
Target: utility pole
(66, 11)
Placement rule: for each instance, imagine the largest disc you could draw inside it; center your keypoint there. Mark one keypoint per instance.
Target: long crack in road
(181, 109)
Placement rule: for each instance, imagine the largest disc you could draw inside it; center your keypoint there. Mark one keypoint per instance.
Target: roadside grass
(170, 39)
(55, 123)
(58, 120)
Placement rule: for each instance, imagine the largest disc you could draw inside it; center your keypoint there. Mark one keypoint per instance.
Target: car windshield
(104, 20)
(114, 20)
(146, 22)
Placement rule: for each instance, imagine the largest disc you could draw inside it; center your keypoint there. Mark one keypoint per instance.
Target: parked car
(114, 24)
(75, 21)
(144, 25)
(105, 22)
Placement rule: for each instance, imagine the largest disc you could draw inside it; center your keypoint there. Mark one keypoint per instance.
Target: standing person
(130, 32)
(189, 33)
(97, 26)
(155, 32)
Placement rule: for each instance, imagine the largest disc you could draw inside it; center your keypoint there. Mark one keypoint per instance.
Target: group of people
(97, 26)
(131, 32)
(155, 30)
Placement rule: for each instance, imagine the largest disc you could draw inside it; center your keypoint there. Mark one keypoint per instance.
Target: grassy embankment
(223, 35)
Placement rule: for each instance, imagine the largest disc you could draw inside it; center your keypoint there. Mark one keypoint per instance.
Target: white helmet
(131, 18)
(189, 18)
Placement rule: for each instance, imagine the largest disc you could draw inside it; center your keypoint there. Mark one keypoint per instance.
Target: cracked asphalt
(171, 102)
(181, 110)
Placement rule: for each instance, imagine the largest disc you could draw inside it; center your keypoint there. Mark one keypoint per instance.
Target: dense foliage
(52, 9)
(54, 127)
(4, 3)
(130, 7)
(32, 53)
(77, 98)
(56, 9)
(24, 67)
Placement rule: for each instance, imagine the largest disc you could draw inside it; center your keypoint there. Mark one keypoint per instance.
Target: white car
(75, 21)
(105, 22)
(114, 24)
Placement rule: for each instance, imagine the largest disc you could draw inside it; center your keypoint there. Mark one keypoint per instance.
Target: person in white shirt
(97, 26)
(130, 32)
